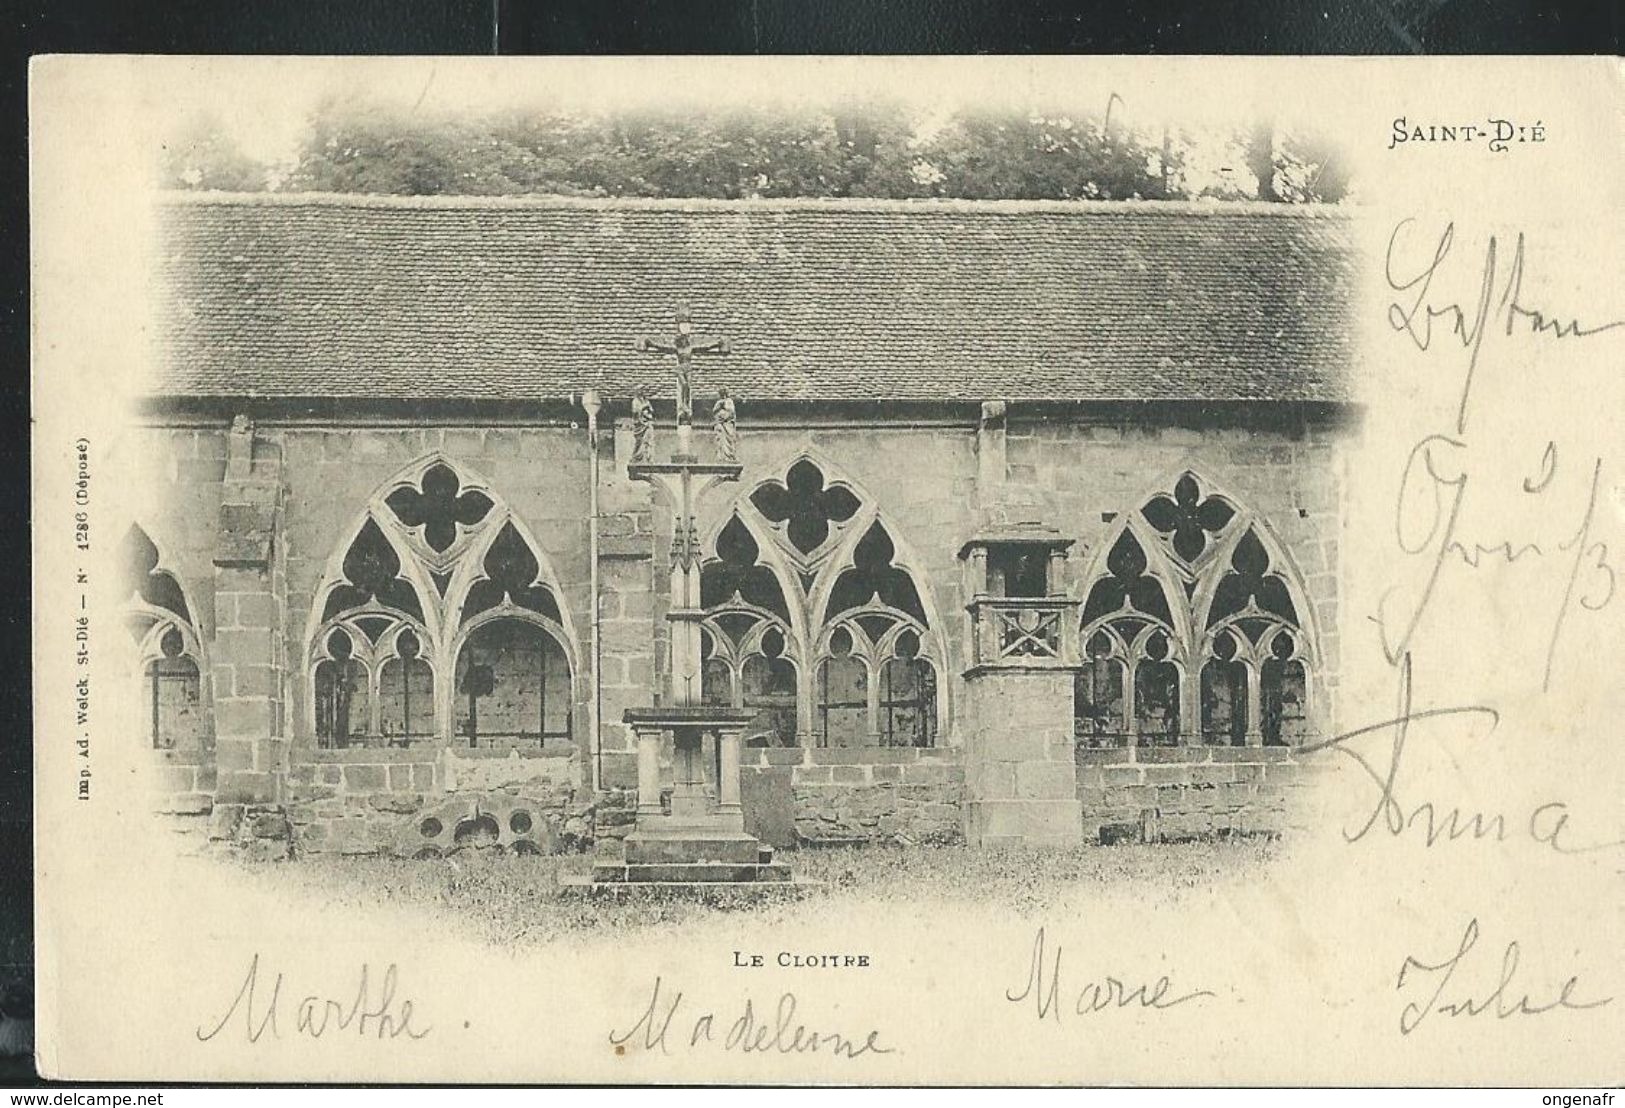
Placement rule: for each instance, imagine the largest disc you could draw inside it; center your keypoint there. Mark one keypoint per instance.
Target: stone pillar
(990, 454)
(728, 777)
(248, 654)
(648, 773)
(627, 629)
(1020, 765)
(1255, 709)
(1190, 705)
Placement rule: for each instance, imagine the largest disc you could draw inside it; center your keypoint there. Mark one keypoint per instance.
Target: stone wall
(810, 796)
(428, 802)
(1080, 476)
(936, 479)
(1166, 794)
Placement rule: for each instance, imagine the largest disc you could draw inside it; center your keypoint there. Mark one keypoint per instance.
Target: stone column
(648, 772)
(1190, 706)
(728, 782)
(1131, 710)
(1255, 709)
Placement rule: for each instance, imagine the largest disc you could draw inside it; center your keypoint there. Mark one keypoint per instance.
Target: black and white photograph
(829, 571)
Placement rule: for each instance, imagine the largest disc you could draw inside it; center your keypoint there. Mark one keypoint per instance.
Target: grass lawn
(505, 897)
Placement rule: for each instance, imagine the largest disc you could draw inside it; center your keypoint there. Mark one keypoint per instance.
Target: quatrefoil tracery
(1188, 522)
(440, 513)
(807, 509)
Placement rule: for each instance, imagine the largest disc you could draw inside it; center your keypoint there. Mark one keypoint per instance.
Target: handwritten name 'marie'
(1107, 993)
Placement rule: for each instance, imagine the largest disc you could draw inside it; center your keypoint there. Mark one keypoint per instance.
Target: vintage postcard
(830, 571)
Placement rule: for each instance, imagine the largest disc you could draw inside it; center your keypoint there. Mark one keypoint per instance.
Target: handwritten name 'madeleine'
(1107, 993)
(372, 1010)
(746, 1030)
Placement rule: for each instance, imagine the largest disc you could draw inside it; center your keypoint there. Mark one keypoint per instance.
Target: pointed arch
(376, 551)
(1242, 637)
(1257, 536)
(815, 528)
(435, 553)
(170, 661)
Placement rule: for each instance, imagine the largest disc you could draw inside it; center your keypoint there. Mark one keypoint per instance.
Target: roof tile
(470, 298)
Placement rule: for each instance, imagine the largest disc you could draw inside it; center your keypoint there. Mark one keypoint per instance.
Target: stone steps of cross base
(691, 872)
(643, 849)
(765, 855)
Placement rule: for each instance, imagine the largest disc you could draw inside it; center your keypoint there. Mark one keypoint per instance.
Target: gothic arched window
(440, 622)
(169, 655)
(406, 692)
(513, 685)
(1255, 641)
(813, 624)
(1130, 685)
(908, 695)
(843, 694)
(342, 702)
(1191, 630)
(769, 689)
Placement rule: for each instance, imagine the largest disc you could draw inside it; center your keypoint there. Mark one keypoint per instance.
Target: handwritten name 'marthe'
(371, 1010)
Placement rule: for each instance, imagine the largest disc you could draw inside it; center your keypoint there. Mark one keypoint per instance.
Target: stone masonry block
(256, 610)
(1045, 781)
(1167, 775)
(1213, 774)
(233, 754)
(364, 779)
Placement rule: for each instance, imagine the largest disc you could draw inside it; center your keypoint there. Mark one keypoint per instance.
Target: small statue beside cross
(643, 428)
(725, 426)
(724, 414)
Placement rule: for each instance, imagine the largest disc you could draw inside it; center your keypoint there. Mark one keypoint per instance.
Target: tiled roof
(401, 298)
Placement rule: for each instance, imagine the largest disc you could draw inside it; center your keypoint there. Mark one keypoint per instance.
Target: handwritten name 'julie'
(371, 1010)
(1435, 988)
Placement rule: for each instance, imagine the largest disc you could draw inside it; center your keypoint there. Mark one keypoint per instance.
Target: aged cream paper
(1447, 911)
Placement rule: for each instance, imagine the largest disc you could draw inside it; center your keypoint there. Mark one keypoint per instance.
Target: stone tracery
(1190, 631)
(169, 654)
(441, 621)
(843, 656)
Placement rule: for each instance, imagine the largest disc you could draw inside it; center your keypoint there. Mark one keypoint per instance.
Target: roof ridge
(695, 205)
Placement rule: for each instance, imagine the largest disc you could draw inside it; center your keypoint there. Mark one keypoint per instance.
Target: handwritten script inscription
(257, 1011)
(1107, 993)
(1438, 991)
(774, 1030)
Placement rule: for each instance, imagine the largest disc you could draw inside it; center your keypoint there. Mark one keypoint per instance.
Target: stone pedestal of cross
(702, 839)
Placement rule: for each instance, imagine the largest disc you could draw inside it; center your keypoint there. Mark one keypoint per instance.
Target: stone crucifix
(684, 346)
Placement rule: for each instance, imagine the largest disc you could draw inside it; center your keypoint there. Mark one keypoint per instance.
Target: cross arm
(713, 346)
(650, 346)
